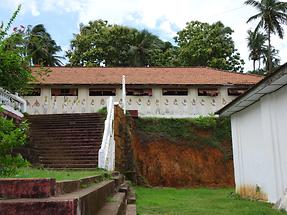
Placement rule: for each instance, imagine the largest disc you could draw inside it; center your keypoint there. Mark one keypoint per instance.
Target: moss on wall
(197, 132)
(174, 152)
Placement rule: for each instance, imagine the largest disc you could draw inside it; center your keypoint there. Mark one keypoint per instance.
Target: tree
(41, 47)
(271, 14)
(275, 59)
(202, 44)
(14, 76)
(143, 45)
(14, 69)
(255, 43)
(100, 43)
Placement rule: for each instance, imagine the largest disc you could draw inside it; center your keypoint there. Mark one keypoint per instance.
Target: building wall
(259, 145)
(155, 105)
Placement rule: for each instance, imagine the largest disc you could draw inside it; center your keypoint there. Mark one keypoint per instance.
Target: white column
(124, 93)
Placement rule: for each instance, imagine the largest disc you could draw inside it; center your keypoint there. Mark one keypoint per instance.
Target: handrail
(106, 156)
(12, 102)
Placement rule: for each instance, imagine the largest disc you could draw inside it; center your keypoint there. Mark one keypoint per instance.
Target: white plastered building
(152, 92)
(259, 136)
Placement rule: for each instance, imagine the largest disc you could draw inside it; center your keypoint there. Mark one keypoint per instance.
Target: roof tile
(179, 75)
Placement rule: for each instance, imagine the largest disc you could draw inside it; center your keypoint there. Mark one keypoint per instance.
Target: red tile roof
(180, 75)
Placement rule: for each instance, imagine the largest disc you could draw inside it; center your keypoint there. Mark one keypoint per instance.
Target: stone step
(86, 201)
(69, 143)
(56, 126)
(131, 209)
(85, 131)
(116, 205)
(71, 166)
(70, 153)
(69, 162)
(67, 115)
(66, 147)
(131, 198)
(66, 138)
(65, 157)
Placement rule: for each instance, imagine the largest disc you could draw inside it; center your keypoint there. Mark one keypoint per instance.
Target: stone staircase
(87, 196)
(67, 140)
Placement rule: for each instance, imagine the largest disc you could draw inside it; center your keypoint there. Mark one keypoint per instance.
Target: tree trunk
(254, 65)
(269, 53)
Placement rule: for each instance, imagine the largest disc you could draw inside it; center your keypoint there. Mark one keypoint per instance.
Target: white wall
(155, 105)
(259, 139)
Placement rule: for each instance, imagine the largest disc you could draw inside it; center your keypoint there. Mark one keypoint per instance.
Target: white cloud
(159, 15)
(30, 6)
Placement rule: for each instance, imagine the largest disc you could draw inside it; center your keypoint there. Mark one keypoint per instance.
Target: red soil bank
(164, 163)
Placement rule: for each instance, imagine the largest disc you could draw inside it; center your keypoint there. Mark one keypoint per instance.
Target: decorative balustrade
(12, 103)
(106, 158)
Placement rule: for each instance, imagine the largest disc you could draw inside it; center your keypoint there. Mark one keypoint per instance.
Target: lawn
(57, 174)
(199, 201)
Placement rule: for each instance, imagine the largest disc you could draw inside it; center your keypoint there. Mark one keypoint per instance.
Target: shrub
(11, 136)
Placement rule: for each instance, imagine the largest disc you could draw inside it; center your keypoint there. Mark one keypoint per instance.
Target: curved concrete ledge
(27, 187)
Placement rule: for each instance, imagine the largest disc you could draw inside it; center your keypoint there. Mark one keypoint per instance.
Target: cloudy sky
(162, 17)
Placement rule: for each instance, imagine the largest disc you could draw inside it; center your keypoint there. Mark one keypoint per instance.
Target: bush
(11, 136)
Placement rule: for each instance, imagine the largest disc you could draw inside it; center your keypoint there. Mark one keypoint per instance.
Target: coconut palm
(274, 56)
(42, 48)
(272, 15)
(144, 43)
(255, 43)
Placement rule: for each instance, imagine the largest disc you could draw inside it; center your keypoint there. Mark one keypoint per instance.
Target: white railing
(12, 103)
(106, 158)
(124, 94)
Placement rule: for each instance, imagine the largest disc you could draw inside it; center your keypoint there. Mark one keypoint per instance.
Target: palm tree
(144, 43)
(255, 43)
(274, 56)
(272, 14)
(41, 47)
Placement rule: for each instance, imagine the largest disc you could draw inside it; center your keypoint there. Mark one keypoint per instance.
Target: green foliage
(194, 202)
(103, 111)
(27, 172)
(188, 130)
(256, 45)
(202, 44)
(41, 47)
(11, 136)
(14, 68)
(101, 43)
(14, 71)
(272, 15)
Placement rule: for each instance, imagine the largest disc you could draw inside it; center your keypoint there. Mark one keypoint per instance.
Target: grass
(199, 201)
(188, 130)
(57, 174)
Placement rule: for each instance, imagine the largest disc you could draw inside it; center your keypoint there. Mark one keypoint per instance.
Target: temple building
(154, 92)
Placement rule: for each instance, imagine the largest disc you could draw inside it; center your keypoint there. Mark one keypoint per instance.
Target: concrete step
(57, 132)
(69, 161)
(69, 144)
(70, 157)
(66, 147)
(67, 139)
(116, 205)
(71, 166)
(131, 196)
(67, 152)
(86, 201)
(131, 209)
